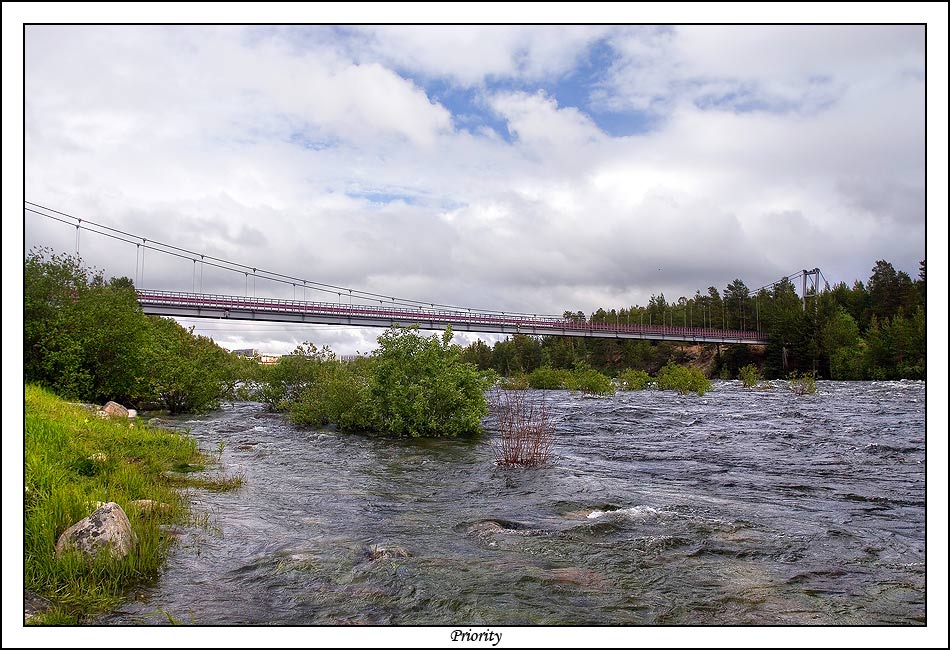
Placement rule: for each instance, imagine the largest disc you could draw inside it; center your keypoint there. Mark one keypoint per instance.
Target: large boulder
(115, 410)
(106, 528)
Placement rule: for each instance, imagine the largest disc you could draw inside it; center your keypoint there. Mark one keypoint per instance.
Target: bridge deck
(192, 305)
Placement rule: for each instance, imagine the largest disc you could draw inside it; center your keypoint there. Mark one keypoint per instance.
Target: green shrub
(421, 387)
(87, 338)
(801, 384)
(634, 379)
(284, 383)
(588, 381)
(518, 382)
(749, 375)
(683, 379)
(411, 386)
(547, 378)
(338, 395)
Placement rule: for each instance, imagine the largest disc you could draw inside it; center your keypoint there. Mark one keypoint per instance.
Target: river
(740, 507)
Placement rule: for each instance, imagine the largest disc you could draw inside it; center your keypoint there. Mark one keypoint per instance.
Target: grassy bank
(74, 460)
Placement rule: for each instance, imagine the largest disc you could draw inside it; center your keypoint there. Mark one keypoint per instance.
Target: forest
(875, 330)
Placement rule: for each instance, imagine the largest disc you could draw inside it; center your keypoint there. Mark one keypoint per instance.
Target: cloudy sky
(529, 168)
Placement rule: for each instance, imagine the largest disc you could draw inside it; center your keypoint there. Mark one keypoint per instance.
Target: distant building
(268, 359)
(248, 353)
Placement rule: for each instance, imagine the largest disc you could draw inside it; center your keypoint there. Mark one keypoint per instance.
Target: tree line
(873, 330)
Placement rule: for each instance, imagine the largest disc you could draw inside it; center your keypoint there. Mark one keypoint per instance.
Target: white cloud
(468, 54)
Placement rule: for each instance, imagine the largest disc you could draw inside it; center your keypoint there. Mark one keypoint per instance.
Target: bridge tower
(810, 281)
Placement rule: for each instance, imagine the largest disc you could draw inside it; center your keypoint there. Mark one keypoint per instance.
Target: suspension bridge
(390, 311)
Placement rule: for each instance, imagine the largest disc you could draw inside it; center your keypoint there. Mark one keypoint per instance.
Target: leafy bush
(803, 384)
(682, 379)
(749, 375)
(339, 396)
(411, 386)
(284, 383)
(547, 378)
(588, 381)
(421, 387)
(518, 382)
(634, 379)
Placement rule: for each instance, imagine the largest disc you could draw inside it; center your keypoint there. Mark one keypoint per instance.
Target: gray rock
(34, 604)
(106, 528)
(115, 410)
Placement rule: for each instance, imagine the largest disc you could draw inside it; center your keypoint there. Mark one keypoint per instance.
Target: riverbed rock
(485, 528)
(106, 528)
(378, 552)
(115, 410)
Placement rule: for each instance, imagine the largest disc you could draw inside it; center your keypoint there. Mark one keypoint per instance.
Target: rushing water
(738, 507)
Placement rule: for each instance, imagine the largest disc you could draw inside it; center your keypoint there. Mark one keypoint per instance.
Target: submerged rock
(482, 528)
(106, 528)
(378, 552)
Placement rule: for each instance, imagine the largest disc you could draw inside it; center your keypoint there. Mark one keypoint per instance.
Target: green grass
(74, 459)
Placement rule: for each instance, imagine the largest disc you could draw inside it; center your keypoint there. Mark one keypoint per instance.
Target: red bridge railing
(447, 316)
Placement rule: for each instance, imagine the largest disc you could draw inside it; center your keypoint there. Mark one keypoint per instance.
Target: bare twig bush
(526, 432)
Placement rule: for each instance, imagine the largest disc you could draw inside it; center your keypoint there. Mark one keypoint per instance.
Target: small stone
(133, 413)
(116, 410)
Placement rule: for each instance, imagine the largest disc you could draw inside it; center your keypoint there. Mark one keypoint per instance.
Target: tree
(717, 316)
(736, 299)
(841, 345)
(478, 354)
(890, 291)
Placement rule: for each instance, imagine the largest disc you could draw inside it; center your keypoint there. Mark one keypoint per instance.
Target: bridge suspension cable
(237, 267)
